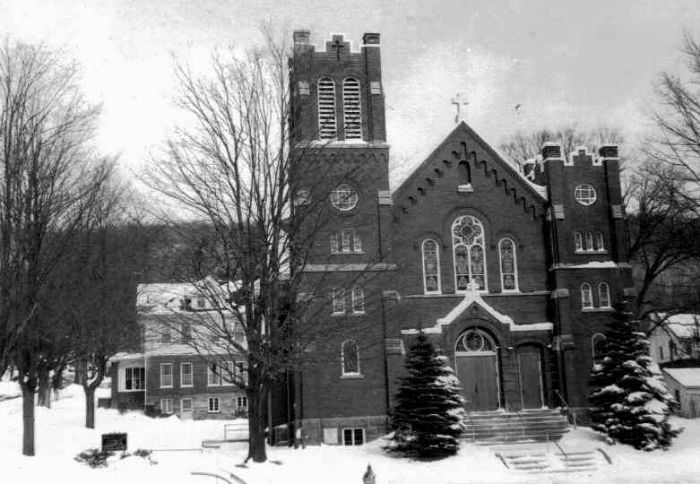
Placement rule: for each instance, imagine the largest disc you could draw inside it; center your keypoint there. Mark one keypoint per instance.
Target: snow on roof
(127, 356)
(688, 377)
(164, 294)
(683, 325)
(474, 297)
(608, 264)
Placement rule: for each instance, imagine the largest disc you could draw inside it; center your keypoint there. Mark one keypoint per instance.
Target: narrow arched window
(578, 240)
(604, 295)
(431, 267)
(326, 109)
(338, 302)
(350, 357)
(358, 300)
(346, 237)
(597, 342)
(600, 241)
(509, 267)
(334, 243)
(589, 241)
(352, 117)
(586, 296)
(468, 251)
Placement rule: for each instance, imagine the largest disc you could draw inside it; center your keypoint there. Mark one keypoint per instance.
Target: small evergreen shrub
(94, 457)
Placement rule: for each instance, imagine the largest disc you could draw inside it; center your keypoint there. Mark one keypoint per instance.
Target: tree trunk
(44, 392)
(89, 406)
(257, 416)
(28, 418)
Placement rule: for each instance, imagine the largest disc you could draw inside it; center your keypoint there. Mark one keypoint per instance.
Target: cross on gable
(337, 45)
(458, 102)
(581, 156)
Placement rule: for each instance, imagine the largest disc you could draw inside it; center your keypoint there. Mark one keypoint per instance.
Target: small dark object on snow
(94, 457)
(113, 442)
(369, 477)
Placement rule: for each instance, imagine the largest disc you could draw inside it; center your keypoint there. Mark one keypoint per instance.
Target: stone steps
(488, 428)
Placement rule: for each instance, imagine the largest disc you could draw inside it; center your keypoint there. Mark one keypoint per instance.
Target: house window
(166, 375)
(186, 376)
(134, 378)
(165, 335)
(509, 267)
(431, 267)
(338, 301)
(344, 197)
(350, 356)
(326, 109)
(352, 116)
(358, 300)
(186, 405)
(166, 405)
(468, 251)
(597, 342)
(589, 241)
(661, 353)
(578, 240)
(214, 378)
(242, 402)
(586, 296)
(353, 436)
(213, 405)
(600, 241)
(604, 295)
(186, 332)
(228, 373)
(585, 194)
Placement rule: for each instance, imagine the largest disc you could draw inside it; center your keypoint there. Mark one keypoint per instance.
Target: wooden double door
(476, 364)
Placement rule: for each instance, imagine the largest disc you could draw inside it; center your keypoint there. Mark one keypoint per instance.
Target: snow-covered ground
(61, 435)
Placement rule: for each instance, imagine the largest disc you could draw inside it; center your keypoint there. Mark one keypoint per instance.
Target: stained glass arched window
(603, 295)
(586, 296)
(431, 267)
(350, 356)
(578, 241)
(475, 341)
(469, 256)
(509, 265)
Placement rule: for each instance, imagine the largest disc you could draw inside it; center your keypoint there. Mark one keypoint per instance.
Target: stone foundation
(329, 431)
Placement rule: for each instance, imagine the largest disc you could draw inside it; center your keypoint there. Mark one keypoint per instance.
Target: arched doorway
(529, 358)
(476, 363)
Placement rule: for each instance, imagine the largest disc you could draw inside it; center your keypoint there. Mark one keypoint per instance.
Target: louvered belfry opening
(326, 109)
(352, 116)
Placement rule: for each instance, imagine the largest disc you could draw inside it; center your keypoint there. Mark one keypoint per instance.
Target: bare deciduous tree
(49, 178)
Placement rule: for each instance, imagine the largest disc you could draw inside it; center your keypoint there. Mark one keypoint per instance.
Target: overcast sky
(585, 62)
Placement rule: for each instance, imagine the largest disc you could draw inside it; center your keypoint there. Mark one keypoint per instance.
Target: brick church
(513, 275)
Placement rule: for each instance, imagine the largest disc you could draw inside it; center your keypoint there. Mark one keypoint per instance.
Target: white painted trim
(439, 275)
(121, 376)
(218, 404)
(191, 410)
(164, 406)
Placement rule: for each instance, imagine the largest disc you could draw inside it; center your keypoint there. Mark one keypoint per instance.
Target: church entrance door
(477, 369)
(530, 375)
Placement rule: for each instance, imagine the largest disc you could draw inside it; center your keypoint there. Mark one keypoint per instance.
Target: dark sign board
(113, 442)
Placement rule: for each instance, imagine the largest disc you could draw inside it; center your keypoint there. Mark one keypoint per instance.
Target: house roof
(683, 325)
(688, 377)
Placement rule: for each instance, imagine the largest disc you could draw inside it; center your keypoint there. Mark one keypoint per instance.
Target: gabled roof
(474, 297)
(682, 325)
(461, 132)
(688, 377)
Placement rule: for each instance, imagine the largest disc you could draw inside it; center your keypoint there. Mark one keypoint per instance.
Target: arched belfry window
(352, 117)
(586, 296)
(509, 265)
(431, 267)
(468, 251)
(327, 128)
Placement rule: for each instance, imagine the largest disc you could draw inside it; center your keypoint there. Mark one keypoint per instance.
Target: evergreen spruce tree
(629, 402)
(429, 415)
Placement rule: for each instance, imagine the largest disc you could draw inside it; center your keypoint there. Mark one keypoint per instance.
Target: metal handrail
(566, 408)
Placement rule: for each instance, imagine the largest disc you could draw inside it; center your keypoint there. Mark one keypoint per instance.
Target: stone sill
(597, 310)
(352, 377)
